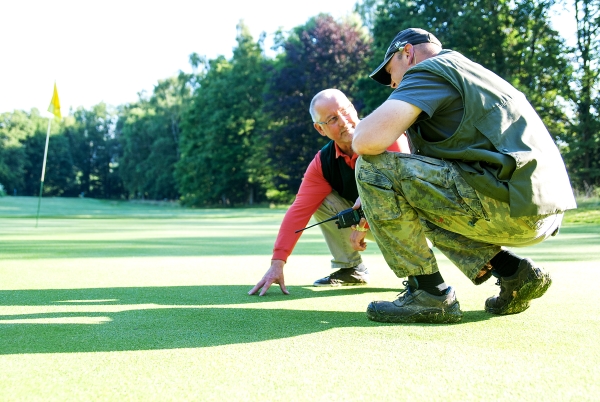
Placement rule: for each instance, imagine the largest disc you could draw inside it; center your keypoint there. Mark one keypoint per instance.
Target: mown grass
(587, 212)
(149, 302)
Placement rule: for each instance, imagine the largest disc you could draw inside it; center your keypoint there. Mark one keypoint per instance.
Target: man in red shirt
(328, 187)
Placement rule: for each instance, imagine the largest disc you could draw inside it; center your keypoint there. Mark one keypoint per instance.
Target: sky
(111, 50)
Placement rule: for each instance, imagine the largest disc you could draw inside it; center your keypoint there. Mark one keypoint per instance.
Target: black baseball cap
(414, 36)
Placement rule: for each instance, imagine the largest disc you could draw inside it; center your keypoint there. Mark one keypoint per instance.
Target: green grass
(588, 211)
(149, 302)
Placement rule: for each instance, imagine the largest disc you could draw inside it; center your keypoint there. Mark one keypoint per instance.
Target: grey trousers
(338, 240)
(408, 199)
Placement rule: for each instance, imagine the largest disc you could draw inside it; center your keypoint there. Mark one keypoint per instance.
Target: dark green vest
(501, 146)
(337, 172)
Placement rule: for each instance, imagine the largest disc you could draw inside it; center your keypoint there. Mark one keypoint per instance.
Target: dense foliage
(220, 129)
(321, 54)
(582, 140)
(149, 133)
(237, 131)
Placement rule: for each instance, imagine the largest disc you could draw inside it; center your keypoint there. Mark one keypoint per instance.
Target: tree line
(237, 131)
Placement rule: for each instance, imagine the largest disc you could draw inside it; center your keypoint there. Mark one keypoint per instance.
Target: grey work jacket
(500, 143)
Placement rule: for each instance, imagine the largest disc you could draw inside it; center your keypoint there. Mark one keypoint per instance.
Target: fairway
(123, 301)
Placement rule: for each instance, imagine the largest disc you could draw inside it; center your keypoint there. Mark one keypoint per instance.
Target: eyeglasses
(346, 112)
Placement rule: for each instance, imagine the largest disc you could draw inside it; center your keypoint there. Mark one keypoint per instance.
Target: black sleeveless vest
(339, 175)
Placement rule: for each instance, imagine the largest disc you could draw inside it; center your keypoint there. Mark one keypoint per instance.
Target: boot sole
(337, 285)
(429, 316)
(530, 290)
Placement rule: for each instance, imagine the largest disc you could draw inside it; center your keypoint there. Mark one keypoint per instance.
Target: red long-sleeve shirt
(312, 192)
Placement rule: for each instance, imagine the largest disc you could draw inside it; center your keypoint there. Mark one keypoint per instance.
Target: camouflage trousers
(408, 199)
(338, 240)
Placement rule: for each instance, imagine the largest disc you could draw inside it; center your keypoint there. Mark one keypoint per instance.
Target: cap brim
(380, 75)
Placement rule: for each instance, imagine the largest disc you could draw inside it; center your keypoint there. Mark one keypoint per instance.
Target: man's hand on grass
(273, 275)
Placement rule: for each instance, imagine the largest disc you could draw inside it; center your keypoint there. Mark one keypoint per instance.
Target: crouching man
(484, 174)
(328, 188)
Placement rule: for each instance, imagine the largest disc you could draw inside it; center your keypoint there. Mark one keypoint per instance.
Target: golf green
(112, 301)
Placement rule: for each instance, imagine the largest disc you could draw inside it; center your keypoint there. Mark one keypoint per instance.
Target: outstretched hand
(273, 275)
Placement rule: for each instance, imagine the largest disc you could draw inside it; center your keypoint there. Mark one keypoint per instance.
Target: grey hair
(324, 94)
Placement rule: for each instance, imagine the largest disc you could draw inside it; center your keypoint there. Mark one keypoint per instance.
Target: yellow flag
(54, 107)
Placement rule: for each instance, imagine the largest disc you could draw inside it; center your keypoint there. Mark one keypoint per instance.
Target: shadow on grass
(120, 319)
(168, 296)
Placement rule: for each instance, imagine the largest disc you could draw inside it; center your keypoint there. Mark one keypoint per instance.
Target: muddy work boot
(344, 277)
(414, 305)
(516, 291)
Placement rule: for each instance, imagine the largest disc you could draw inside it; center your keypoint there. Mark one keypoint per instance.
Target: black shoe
(518, 290)
(415, 305)
(344, 277)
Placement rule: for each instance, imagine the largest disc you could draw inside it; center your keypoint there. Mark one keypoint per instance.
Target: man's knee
(331, 205)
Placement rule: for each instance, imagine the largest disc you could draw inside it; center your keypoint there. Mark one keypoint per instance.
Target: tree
(148, 133)
(14, 127)
(95, 151)
(60, 175)
(367, 10)
(219, 129)
(583, 140)
(22, 142)
(321, 54)
(537, 56)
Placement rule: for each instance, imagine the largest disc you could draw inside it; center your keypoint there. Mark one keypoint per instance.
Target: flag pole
(43, 172)
(54, 108)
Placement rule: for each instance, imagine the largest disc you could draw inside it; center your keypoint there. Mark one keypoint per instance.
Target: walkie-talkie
(345, 219)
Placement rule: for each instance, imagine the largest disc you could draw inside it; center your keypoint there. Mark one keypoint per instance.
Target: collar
(350, 160)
